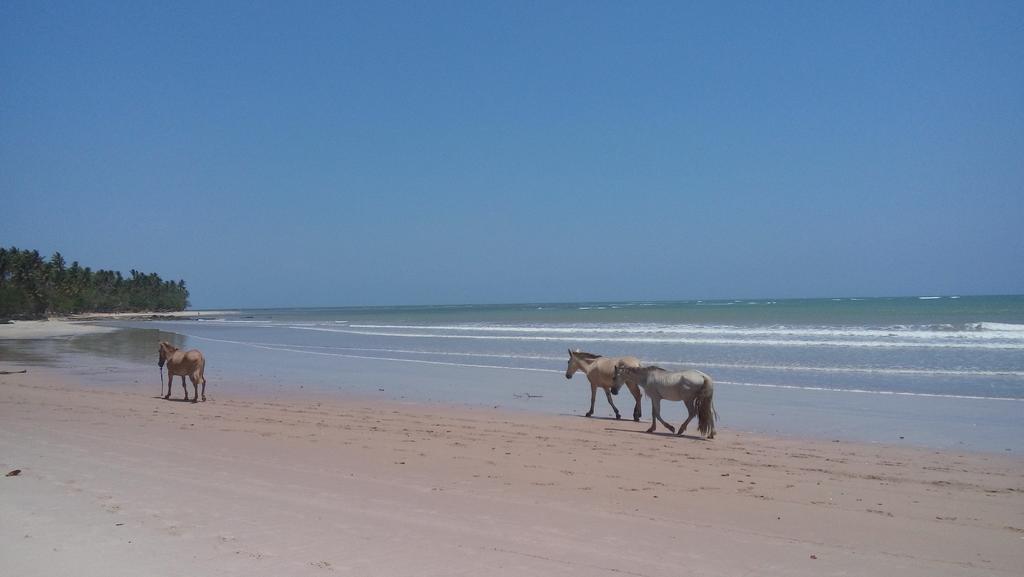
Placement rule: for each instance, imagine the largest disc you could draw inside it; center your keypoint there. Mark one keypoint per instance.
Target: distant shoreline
(142, 315)
(73, 325)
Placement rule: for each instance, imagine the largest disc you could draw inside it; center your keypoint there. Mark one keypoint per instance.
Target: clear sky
(344, 153)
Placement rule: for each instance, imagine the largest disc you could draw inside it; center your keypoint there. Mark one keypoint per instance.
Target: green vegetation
(32, 287)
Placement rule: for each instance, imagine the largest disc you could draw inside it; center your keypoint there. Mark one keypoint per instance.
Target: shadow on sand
(174, 400)
(623, 419)
(658, 434)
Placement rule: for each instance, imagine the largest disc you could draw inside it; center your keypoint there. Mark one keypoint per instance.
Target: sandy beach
(116, 483)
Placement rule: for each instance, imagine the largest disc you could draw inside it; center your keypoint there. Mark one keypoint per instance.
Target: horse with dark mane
(600, 372)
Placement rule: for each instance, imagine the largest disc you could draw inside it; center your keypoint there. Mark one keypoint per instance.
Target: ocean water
(942, 368)
(950, 346)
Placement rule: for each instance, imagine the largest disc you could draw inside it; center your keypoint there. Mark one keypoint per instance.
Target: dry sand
(127, 484)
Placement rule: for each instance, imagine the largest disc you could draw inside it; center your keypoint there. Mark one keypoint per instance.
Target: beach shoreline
(116, 482)
(124, 358)
(83, 324)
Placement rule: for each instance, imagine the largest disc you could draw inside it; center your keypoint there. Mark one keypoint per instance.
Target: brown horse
(181, 363)
(600, 372)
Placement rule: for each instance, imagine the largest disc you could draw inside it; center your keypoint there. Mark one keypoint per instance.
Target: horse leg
(608, 394)
(170, 383)
(184, 387)
(204, 388)
(690, 413)
(656, 410)
(593, 394)
(638, 396)
(195, 387)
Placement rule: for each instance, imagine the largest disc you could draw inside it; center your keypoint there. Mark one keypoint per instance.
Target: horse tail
(705, 405)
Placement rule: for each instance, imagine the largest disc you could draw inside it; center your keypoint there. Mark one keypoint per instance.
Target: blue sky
(312, 154)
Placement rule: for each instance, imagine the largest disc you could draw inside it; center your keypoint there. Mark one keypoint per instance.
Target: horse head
(573, 365)
(619, 377)
(166, 350)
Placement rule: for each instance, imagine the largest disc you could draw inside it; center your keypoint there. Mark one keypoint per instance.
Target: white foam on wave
(1001, 327)
(1018, 344)
(978, 335)
(983, 331)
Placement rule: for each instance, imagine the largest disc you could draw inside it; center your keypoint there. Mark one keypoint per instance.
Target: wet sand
(120, 483)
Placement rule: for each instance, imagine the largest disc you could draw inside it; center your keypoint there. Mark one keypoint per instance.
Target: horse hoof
(618, 417)
(588, 414)
(651, 430)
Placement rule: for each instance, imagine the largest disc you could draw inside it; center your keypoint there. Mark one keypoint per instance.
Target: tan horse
(181, 363)
(600, 372)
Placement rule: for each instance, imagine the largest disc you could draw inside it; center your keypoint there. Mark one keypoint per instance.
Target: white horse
(694, 388)
(600, 372)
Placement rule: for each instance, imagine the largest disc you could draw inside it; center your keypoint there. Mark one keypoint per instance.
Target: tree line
(33, 287)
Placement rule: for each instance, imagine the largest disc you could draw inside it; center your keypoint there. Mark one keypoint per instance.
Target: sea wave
(975, 330)
(738, 338)
(981, 330)
(999, 327)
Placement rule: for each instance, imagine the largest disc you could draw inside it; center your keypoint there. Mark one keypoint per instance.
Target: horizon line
(929, 296)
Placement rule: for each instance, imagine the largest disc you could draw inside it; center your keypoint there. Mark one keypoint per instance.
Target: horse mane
(587, 356)
(655, 368)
